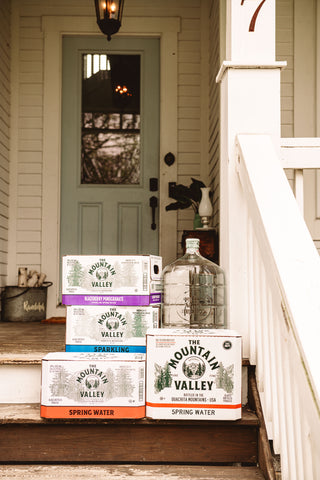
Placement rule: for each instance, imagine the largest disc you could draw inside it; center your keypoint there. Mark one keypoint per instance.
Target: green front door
(110, 146)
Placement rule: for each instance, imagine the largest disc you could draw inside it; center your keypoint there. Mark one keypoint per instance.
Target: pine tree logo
(124, 386)
(163, 378)
(92, 382)
(193, 368)
(60, 380)
(112, 324)
(102, 273)
(139, 325)
(75, 275)
(224, 378)
(88, 385)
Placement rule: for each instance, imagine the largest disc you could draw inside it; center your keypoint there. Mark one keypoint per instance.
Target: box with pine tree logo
(109, 329)
(92, 385)
(193, 374)
(111, 280)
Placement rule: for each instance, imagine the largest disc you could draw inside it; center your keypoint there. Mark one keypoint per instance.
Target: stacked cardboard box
(91, 385)
(193, 374)
(111, 302)
(122, 280)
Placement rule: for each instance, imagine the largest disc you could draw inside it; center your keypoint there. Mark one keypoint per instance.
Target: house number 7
(254, 16)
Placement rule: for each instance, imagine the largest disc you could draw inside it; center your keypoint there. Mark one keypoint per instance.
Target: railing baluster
(287, 364)
(268, 356)
(250, 296)
(279, 339)
(258, 308)
(274, 368)
(297, 412)
(298, 188)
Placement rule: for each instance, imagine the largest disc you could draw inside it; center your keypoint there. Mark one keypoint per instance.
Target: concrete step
(126, 472)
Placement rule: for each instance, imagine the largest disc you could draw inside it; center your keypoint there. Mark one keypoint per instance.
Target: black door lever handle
(153, 202)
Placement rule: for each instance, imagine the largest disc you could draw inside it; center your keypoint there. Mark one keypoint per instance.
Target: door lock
(153, 185)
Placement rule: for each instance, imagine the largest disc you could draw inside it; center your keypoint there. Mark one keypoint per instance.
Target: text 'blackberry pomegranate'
(194, 291)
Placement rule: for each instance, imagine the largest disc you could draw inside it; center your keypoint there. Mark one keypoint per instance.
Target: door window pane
(110, 135)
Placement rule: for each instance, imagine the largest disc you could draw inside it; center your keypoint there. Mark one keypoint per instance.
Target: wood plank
(30, 413)
(125, 472)
(30, 247)
(144, 441)
(25, 437)
(265, 456)
(30, 213)
(29, 341)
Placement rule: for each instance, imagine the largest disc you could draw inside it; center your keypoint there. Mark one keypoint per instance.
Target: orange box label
(107, 413)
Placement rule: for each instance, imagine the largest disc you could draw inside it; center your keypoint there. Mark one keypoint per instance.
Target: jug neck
(192, 246)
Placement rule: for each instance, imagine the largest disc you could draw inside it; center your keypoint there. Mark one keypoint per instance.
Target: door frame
(54, 27)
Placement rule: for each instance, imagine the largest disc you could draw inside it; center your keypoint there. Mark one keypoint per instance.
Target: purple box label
(126, 300)
(155, 298)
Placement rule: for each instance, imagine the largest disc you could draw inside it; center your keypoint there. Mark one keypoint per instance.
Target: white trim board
(54, 27)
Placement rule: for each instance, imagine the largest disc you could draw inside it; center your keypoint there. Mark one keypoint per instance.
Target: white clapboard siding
(4, 133)
(29, 213)
(29, 236)
(29, 247)
(4, 215)
(189, 110)
(30, 157)
(284, 51)
(4, 199)
(214, 110)
(4, 175)
(29, 202)
(30, 191)
(29, 143)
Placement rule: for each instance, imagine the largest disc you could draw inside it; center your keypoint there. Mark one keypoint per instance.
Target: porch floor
(29, 342)
(126, 472)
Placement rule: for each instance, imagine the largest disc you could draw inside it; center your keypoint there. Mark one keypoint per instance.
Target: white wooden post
(251, 31)
(250, 103)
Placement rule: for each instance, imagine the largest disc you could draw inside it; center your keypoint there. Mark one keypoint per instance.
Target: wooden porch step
(126, 472)
(26, 437)
(23, 345)
(122, 448)
(28, 343)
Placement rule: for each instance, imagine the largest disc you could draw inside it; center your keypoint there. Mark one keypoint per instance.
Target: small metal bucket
(24, 304)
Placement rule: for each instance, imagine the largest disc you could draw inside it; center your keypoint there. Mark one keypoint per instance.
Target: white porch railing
(300, 154)
(283, 304)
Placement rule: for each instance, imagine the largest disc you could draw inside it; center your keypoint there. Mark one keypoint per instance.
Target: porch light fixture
(109, 16)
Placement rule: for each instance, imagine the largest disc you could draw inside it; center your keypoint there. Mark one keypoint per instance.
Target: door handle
(153, 202)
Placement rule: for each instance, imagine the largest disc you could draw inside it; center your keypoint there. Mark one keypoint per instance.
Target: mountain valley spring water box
(92, 385)
(109, 328)
(111, 280)
(193, 374)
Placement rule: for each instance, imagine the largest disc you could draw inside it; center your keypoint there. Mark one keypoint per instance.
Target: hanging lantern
(109, 16)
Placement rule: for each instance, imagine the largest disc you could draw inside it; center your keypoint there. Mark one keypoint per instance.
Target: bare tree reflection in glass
(110, 151)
